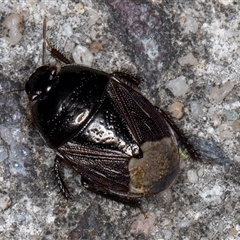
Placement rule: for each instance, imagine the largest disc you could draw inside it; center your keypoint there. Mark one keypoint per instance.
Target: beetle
(122, 145)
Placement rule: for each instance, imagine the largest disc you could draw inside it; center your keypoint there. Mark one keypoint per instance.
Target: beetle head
(40, 82)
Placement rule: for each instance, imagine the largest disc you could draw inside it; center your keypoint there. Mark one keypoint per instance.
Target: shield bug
(122, 146)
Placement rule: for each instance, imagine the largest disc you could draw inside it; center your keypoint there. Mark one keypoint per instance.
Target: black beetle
(122, 146)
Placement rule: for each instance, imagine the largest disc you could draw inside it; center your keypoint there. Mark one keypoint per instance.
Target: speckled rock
(236, 125)
(192, 176)
(212, 195)
(82, 55)
(219, 93)
(147, 39)
(189, 59)
(12, 27)
(5, 202)
(176, 110)
(143, 224)
(178, 86)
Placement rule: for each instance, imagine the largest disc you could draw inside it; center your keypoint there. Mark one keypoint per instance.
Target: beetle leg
(192, 152)
(60, 182)
(100, 191)
(53, 51)
(129, 201)
(56, 53)
(126, 76)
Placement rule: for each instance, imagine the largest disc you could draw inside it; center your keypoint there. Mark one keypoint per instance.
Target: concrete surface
(187, 52)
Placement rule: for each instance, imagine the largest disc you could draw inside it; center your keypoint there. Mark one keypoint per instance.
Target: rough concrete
(193, 44)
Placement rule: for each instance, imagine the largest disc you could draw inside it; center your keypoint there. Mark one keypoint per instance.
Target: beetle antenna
(192, 152)
(12, 91)
(44, 38)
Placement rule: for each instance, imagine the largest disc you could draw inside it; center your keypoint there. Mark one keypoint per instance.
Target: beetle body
(120, 144)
